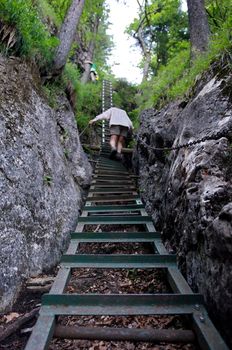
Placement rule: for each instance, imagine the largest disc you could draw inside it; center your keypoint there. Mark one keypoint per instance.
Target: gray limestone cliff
(43, 175)
(188, 191)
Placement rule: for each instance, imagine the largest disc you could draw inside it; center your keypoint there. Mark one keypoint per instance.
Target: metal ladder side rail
(107, 102)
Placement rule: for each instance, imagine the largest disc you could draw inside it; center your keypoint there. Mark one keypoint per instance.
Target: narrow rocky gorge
(44, 174)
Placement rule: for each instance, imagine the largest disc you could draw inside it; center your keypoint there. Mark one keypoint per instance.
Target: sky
(125, 56)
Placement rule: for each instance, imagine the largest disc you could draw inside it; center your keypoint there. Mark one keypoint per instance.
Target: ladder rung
(112, 185)
(115, 174)
(109, 208)
(115, 219)
(119, 181)
(111, 172)
(112, 177)
(124, 334)
(111, 190)
(115, 236)
(115, 304)
(119, 261)
(110, 167)
(111, 199)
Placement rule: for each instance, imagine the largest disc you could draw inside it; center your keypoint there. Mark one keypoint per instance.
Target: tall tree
(198, 27)
(146, 47)
(67, 34)
(90, 51)
(92, 43)
(160, 31)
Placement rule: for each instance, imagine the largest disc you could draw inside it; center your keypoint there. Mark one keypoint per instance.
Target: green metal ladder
(112, 183)
(113, 199)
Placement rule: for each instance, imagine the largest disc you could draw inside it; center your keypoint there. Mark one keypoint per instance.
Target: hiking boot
(119, 157)
(113, 153)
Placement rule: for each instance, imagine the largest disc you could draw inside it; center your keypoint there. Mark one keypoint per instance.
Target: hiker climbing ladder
(113, 200)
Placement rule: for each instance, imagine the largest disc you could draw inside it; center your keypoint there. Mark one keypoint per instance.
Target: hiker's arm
(103, 116)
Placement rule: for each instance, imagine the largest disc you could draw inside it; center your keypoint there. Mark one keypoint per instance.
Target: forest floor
(103, 281)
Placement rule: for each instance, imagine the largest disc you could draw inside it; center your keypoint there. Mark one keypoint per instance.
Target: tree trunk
(146, 55)
(198, 27)
(147, 62)
(90, 53)
(86, 73)
(67, 34)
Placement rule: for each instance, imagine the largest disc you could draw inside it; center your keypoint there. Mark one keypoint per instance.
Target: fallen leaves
(117, 281)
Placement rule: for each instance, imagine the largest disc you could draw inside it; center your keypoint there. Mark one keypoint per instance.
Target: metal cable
(84, 130)
(216, 136)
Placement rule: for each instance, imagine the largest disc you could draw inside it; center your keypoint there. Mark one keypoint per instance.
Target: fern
(33, 39)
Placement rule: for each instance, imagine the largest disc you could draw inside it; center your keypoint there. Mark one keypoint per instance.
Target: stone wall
(188, 192)
(43, 174)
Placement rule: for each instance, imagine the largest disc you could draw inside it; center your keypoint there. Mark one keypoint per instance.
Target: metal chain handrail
(216, 136)
(81, 133)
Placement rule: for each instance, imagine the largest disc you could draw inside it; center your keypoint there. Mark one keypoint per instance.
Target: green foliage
(88, 103)
(162, 27)
(220, 44)
(72, 74)
(134, 116)
(47, 180)
(103, 48)
(156, 91)
(175, 79)
(33, 40)
(87, 149)
(92, 28)
(51, 91)
(64, 136)
(177, 76)
(125, 97)
(219, 12)
(48, 12)
(88, 96)
(66, 153)
(60, 7)
(169, 29)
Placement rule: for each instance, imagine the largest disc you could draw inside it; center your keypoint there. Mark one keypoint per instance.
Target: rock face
(43, 174)
(188, 192)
